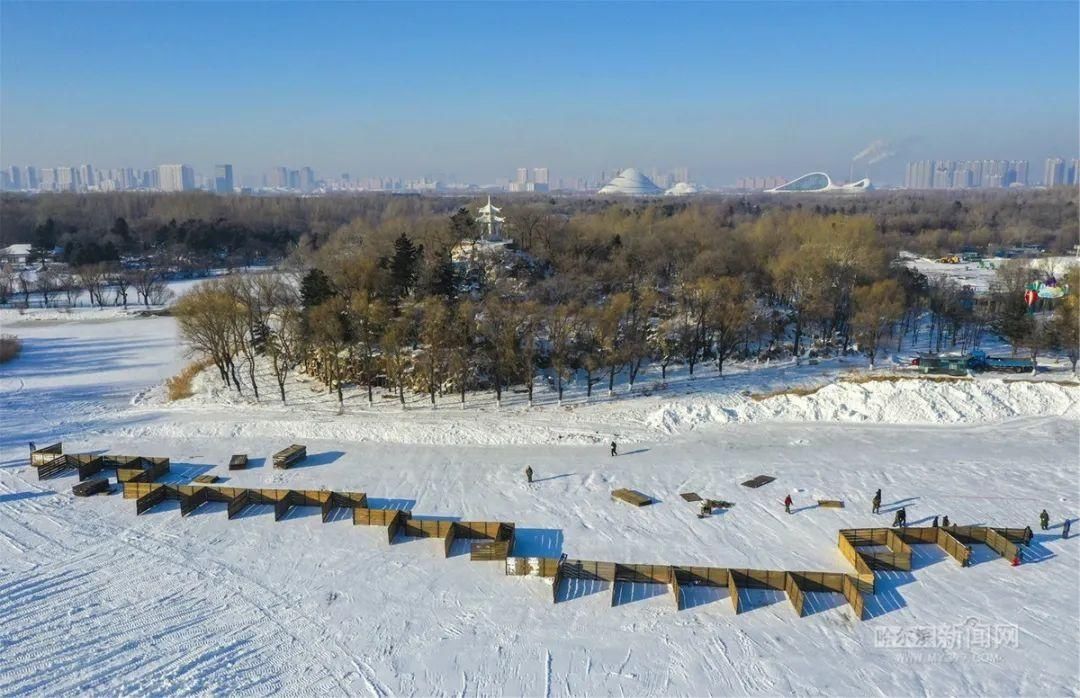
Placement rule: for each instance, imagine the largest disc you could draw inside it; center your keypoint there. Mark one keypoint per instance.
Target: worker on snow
(529, 473)
(787, 504)
(614, 449)
(32, 447)
(945, 521)
(1065, 528)
(705, 508)
(935, 522)
(1044, 520)
(903, 516)
(1028, 535)
(877, 501)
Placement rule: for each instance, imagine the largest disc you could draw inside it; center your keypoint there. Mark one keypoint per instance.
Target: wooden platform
(691, 496)
(205, 478)
(91, 487)
(632, 497)
(288, 457)
(831, 503)
(758, 481)
(238, 462)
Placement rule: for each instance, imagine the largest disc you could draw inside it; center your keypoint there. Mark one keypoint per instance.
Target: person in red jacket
(787, 504)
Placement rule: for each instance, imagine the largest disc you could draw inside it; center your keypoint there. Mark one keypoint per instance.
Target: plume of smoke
(869, 150)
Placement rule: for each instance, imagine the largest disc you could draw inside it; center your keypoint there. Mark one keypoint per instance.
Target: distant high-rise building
(1054, 172)
(32, 179)
(682, 174)
(540, 175)
(66, 177)
(176, 178)
(86, 176)
(15, 178)
(1072, 174)
(306, 179)
(223, 179)
(1019, 172)
(276, 178)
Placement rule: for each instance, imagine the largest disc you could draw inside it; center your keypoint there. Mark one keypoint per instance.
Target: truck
(978, 361)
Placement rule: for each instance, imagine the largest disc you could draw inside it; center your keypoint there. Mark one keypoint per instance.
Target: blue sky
(478, 89)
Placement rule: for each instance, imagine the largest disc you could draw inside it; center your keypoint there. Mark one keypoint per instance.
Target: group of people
(529, 470)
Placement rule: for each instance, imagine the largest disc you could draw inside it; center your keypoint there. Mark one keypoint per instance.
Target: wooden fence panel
(282, 505)
(394, 525)
(733, 590)
(1000, 544)
(918, 534)
(794, 593)
(191, 502)
(556, 580)
(676, 590)
(1013, 535)
(239, 502)
(854, 596)
(46, 454)
(953, 546)
(149, 500)
(448, 538)
(52, 468)
(327, 506)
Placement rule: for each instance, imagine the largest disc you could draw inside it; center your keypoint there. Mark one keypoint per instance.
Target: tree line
(398, 315)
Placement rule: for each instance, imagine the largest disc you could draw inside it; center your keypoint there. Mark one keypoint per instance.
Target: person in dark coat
(1044, 520)
(945, 521)
(1028, 535)
(903, 516)
(614, 449)
(529, 473)
(1065, 528)
(32, 447)
(877, 501)
(787, 504)
(705, 509)
(896, 519)
(935, 522)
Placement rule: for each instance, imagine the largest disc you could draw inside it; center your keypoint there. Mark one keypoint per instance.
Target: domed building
(683, 189)
(816, 182)
(630, 182)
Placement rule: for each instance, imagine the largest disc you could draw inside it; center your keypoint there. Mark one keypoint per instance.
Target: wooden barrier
(152, 498)
(794, 593)
(632, 497)
(556, 580)
(1001, 545)
(46, 454)
(854, 596)
(238, 461)
(52, 468)
(953, 547)
(239, 503)
(676, 590)
(497, 541)
(191, 502)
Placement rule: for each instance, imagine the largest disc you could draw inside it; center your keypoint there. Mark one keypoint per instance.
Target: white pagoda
(490, 221)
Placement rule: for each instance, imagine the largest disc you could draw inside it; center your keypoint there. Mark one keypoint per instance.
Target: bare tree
(329, 335)
(434, 328)
(562, 323)
(878, 307)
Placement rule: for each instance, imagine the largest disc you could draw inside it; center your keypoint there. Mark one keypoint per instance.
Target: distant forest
(205, 228)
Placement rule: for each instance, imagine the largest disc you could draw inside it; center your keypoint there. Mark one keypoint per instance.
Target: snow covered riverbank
(97, 599)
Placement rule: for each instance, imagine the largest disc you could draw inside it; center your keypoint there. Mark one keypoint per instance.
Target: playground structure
(866, 549)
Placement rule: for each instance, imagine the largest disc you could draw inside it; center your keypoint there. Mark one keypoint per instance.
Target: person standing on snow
(614, 449)
(877, 502)
(935, 522)
(945, 521)
(1044, 520)
(529, 473)
(1065, 528)
(787, 504)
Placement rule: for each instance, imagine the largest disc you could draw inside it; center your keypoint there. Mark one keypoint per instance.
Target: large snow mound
(886, 402)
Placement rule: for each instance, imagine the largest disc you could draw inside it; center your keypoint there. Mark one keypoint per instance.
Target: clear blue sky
(475, 90)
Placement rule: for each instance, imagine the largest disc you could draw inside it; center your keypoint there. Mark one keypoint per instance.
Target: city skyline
(409, 91)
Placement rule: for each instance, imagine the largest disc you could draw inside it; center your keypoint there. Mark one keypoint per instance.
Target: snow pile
(886, 402)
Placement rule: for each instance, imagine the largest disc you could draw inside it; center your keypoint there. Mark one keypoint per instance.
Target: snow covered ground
(95, 599)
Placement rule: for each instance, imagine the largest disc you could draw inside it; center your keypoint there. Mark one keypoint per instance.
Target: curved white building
(630, 182)
(683, 189)
(815, 182)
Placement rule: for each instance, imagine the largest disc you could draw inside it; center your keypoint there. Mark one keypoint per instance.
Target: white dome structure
(816, 182)
(684, 189)
(630, 182)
